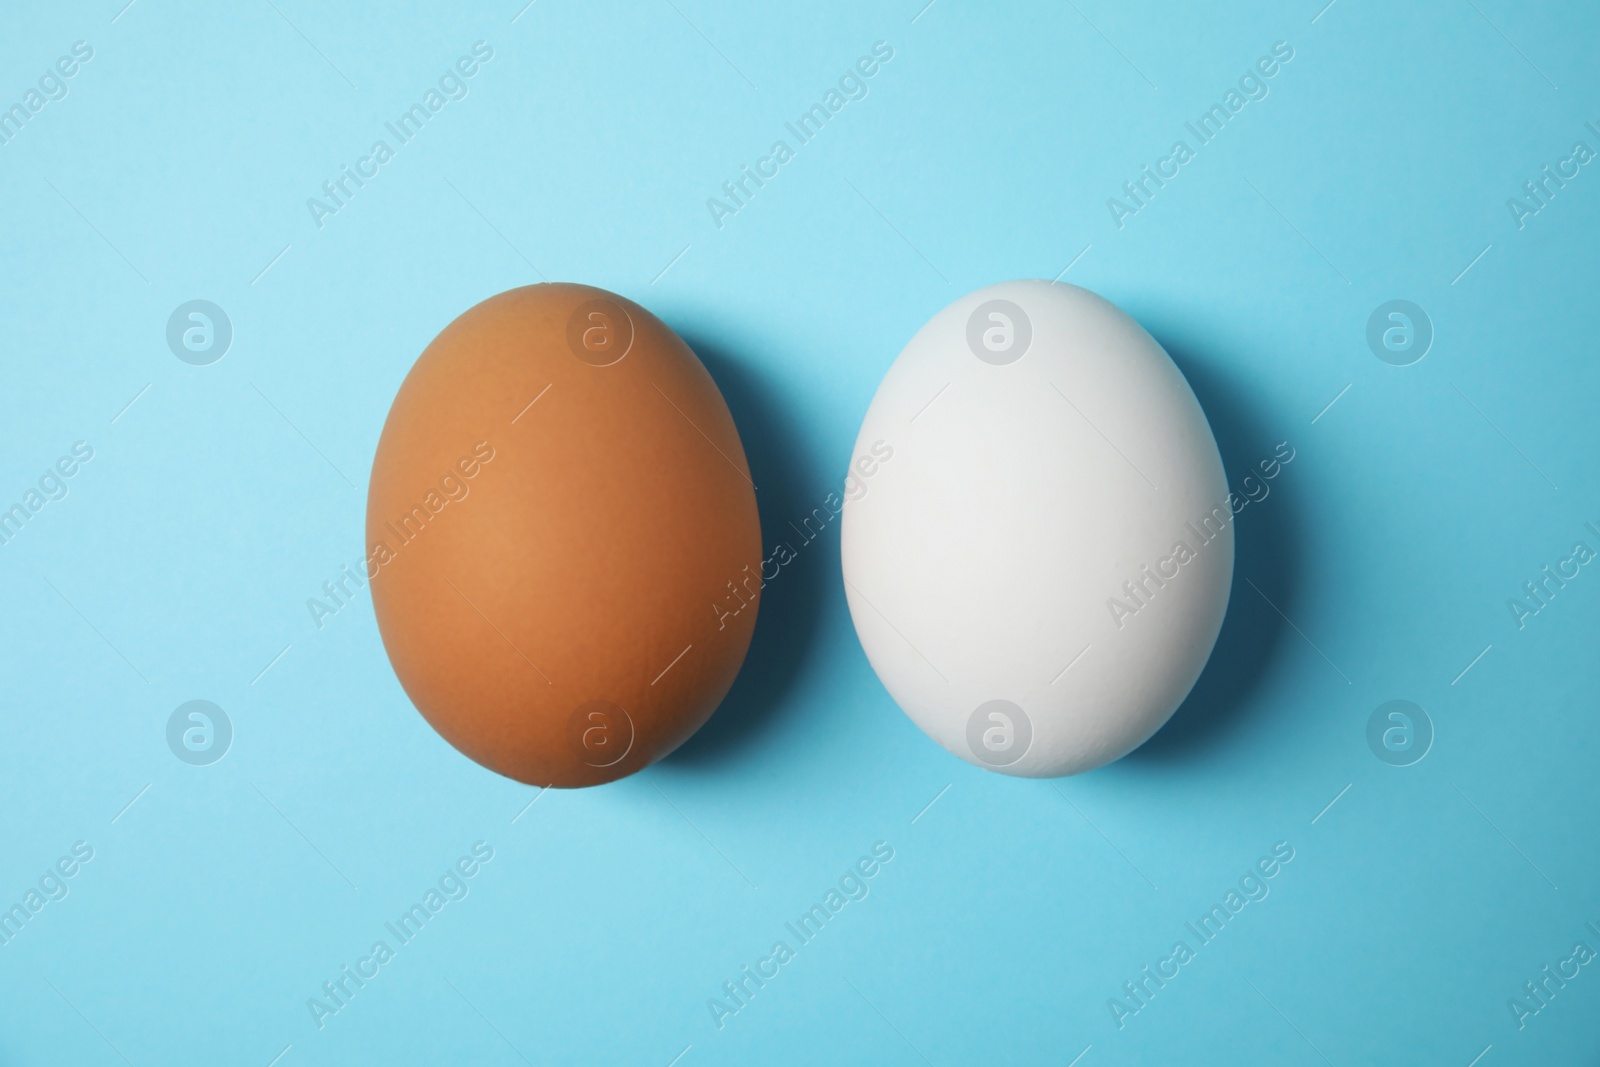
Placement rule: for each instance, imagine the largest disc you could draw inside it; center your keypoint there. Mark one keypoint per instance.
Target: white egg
(1037, 539)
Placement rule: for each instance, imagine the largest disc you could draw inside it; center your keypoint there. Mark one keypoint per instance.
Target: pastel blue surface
(178, 565)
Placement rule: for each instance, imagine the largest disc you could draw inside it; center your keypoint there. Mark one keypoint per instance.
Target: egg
(1040, 573)
(559, 504)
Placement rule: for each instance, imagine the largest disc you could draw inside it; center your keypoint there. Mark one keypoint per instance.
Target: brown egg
(559, 503)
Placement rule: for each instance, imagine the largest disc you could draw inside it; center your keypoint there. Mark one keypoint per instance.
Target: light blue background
(1417, 504)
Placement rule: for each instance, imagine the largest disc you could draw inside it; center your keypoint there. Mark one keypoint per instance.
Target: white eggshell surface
(1039, 571)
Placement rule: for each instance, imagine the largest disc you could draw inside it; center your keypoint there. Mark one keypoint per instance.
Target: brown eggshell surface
(559, 503)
